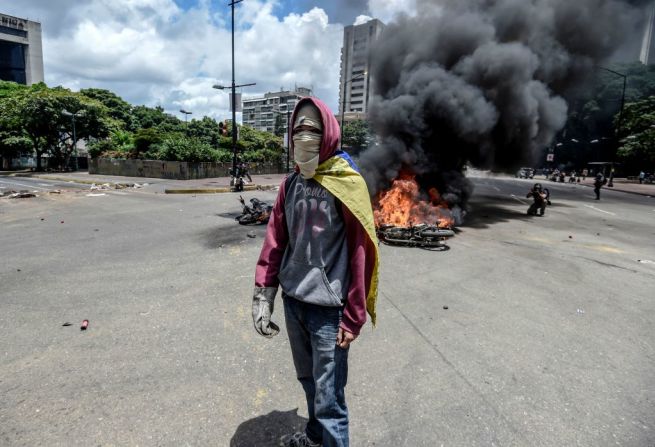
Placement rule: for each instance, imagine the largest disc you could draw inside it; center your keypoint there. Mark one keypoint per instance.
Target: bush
(99, 148)
(186, 149)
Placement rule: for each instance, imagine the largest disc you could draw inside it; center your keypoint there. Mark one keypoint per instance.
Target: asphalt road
(548, 339)
(36, 185)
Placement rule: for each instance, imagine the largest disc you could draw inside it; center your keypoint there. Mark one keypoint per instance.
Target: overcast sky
(171, 52)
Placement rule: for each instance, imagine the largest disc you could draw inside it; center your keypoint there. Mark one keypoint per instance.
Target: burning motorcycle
(421, 235)
(256, 214)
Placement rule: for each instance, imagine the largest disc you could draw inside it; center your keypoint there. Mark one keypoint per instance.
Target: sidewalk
(620, 184)
(168, 186)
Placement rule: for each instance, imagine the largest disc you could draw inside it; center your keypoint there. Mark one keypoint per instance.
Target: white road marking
(602, 211)
(24, 185)
(522, 201)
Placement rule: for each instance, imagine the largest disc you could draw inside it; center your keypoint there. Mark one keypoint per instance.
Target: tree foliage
(356, 134)
(33, 119)
(591, 132)
(638, 145)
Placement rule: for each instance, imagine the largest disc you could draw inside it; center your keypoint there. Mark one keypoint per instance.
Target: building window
(13, 31)
(12, 62)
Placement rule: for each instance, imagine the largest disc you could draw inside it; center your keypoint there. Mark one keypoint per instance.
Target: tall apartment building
(21, 54)
(354, 85)
(647, 55)
(262, 112)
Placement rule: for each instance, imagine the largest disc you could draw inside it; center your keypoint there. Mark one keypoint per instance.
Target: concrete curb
(219, 190)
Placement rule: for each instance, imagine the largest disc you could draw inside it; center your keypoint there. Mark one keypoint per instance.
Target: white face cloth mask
(306, 150)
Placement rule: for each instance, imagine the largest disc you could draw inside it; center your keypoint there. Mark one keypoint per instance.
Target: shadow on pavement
(488, 210)
(265, 431)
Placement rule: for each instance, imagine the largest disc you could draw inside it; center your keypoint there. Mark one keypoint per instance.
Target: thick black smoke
(483, 82)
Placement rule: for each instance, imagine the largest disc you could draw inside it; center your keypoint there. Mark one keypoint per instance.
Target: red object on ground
(85, 324)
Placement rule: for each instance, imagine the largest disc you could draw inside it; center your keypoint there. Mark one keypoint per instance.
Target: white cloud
(387, 10)
(362, 19)
(151, 52)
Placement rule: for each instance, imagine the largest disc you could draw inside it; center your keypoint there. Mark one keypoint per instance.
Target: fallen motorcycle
(256, 214)
(421, 235)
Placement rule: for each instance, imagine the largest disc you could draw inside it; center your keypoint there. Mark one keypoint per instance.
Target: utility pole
(233, 99)
(73, 116)
(343, 106)
(617, 131)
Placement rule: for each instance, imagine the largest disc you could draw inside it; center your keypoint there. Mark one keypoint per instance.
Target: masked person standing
(321, 249)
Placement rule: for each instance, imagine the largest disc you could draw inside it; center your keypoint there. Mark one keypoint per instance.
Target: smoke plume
(483, 82)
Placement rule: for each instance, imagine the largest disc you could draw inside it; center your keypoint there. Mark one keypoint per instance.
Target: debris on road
(256, 214)
(445, 307)
(96, 194)
(67, 324)
(85, 324)
(251, 235)
(645, 261)
(55, 191)
(109, 186)
(20, 194)
(580, 312)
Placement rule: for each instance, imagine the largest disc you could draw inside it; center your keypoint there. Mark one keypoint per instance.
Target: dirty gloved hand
(262, 308)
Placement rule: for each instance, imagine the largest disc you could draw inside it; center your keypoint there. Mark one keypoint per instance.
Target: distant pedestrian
(585, 172)
(598, 183)
(642, 176)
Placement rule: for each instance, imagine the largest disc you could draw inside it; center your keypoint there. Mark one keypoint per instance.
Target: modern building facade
(21, 53)
(269, 112)
(354, 86)
(647, 55)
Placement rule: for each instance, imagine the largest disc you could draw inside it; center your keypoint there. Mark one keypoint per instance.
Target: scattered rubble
(109, 186)
(85, 324)
(19, 194)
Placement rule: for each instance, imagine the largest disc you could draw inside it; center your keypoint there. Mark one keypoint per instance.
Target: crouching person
(540, 198)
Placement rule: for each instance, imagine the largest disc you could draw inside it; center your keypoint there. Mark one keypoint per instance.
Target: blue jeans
(321, 368)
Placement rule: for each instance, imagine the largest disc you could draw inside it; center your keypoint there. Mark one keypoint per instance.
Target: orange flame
(401, 205)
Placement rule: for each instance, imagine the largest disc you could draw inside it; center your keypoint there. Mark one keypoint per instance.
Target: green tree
(356, 134)
(637, 150)
(117, 108)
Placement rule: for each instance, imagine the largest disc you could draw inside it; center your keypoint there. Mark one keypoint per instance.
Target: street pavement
(547, 340)
(212, 185)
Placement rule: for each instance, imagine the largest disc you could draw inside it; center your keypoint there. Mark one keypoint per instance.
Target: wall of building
(354, 85)
(174, 170)
(21, 49)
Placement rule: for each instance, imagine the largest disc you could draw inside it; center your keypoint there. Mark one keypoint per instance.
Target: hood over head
(331, 130)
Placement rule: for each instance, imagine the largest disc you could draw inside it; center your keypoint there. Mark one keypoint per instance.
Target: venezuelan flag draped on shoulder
(341, 177)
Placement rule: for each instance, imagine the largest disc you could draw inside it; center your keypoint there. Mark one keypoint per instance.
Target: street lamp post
(186, 114)
(343, 104)
(73, 116)
(288, 113)
(617, 131)
(234, 94)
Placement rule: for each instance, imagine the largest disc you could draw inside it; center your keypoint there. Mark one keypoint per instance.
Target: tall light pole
(288, 113)
(343, 106)
(186, 114)
(234, 95)
(73, 116)
(617, 131)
